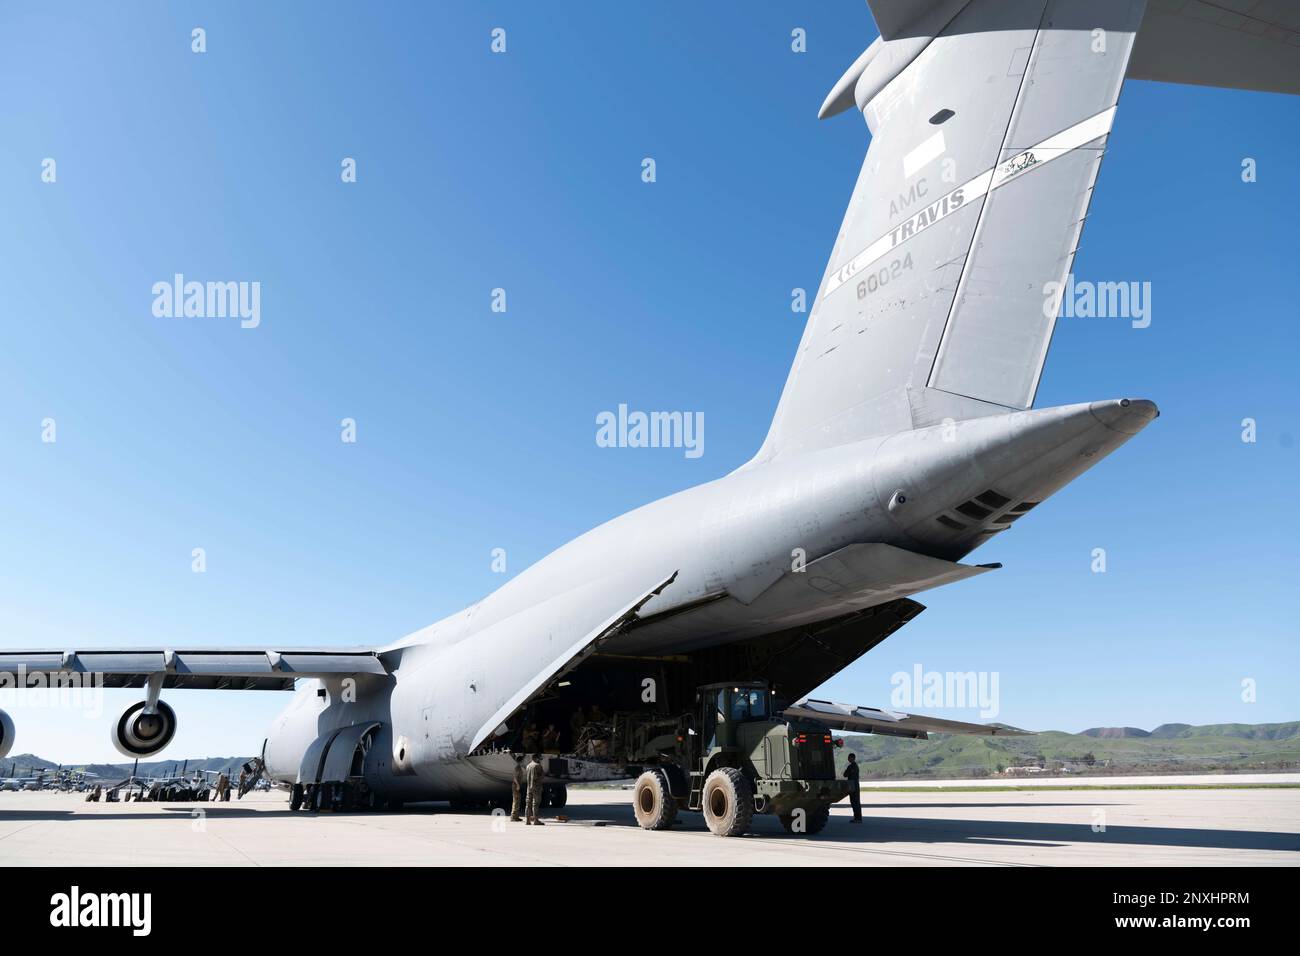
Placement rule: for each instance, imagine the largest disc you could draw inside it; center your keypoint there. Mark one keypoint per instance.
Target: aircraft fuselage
(746, 551)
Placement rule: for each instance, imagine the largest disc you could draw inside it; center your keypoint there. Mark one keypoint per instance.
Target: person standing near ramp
(855, 794)
(534, 777)
(517, 785)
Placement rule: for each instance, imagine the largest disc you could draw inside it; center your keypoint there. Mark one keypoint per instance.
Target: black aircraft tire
(295, 797)
(728, 802)
(652, 802)
(556, 795)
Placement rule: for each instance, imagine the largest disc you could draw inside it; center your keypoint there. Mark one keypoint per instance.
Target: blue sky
(476, 429)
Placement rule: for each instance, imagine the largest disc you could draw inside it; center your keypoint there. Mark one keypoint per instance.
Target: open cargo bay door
(574, 655)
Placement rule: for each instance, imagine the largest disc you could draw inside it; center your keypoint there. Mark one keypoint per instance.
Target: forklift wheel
(728, 802)
(652, 802)
(818, 817)
(814, 820)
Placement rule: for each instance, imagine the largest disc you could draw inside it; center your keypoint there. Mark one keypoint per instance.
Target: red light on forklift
(801, 739)
(827, 738)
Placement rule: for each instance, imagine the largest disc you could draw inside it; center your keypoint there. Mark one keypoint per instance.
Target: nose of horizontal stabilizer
(840, 97)
(1126, 415)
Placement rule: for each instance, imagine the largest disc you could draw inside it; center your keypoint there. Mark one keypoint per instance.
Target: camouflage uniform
(534, 777)
(531, 737)
(516, 790)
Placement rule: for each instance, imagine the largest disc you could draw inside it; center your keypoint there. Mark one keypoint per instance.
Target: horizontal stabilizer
(1239, 44)
(896, 19)
(870, 720)
(854, 577)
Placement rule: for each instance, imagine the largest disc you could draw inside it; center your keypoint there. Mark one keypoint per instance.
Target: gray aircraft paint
(902, 404)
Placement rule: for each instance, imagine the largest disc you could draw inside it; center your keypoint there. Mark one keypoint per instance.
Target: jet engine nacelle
(6, 734)
(137, 734)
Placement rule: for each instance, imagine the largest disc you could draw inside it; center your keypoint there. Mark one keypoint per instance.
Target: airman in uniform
(517, 786)
(551, 739)
(534, 777)
(531, 737)
(855, 791)
(576, 723)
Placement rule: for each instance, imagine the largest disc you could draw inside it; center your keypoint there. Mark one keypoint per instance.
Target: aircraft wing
(871, 720)
(204, 668)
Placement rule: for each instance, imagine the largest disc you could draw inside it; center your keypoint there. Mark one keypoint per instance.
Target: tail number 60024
(883, 276)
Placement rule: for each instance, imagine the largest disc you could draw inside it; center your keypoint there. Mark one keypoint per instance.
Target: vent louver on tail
(980, 508)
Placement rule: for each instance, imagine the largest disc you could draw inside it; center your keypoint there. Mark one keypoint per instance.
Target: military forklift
(735, 755)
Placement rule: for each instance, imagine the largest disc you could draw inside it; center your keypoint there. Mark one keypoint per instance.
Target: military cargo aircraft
(904, 439)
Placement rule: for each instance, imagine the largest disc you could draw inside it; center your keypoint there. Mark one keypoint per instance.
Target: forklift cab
(723, 707)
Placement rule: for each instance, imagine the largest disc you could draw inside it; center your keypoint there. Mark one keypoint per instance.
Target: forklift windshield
(725, 706)
(748, 703)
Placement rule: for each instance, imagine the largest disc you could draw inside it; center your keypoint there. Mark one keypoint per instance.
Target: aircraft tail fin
(989, 119)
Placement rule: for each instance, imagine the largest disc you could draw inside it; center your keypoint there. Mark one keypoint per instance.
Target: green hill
(1170, 748)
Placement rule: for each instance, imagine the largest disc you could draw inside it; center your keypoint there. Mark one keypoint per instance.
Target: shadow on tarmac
(877, 831)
